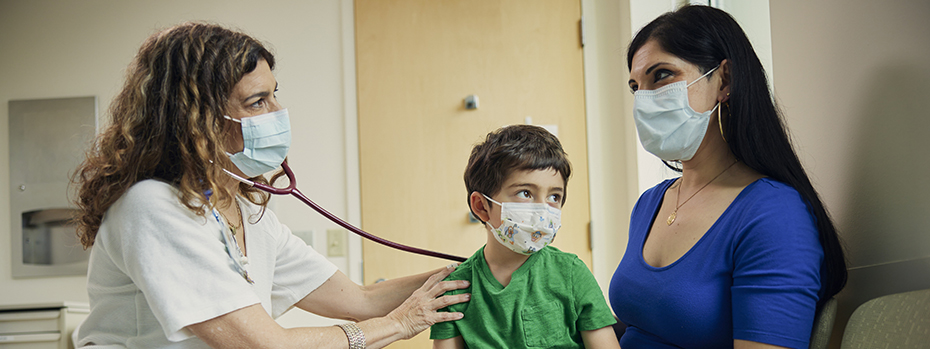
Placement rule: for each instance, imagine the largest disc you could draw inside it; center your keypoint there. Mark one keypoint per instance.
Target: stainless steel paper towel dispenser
(48, 138)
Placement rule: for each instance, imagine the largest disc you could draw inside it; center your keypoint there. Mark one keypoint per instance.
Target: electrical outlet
(337, 244)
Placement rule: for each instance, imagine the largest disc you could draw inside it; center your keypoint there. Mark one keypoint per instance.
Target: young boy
(523, 294)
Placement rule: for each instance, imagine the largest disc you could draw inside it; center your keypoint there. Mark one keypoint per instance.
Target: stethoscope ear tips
(244, 260)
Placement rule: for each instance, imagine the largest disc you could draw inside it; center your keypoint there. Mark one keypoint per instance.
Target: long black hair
(754, 129)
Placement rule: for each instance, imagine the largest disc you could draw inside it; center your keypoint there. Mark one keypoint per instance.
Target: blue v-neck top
(754, 275)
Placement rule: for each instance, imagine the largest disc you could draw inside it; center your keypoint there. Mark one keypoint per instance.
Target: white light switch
(337, 244)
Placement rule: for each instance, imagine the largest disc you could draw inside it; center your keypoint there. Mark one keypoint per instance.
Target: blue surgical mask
(667, 126)
(266, 139)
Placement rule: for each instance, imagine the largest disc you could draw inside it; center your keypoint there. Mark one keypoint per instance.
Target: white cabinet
(40, 326)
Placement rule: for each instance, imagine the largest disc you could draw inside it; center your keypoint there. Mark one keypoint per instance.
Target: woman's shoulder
(773, 185)
(149, 194)
(769, 208)
(144, 200)
(767, 193)
(659, 189)
(149, 209)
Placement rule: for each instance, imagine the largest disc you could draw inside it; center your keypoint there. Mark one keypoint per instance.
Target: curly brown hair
(167, 123)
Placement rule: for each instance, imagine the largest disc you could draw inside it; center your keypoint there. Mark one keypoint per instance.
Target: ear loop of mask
(233, 120)
(719, 107)
(703, 76)
(227, 117)
(492, 200)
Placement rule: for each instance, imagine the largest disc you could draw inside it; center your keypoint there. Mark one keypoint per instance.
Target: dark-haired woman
(182, 255)
(739, 250)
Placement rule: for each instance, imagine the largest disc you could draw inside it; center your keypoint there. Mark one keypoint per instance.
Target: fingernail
(451, 266)
(467, 296)
(466, 283)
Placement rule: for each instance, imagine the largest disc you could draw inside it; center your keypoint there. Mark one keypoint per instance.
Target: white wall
(612, 169)
(54, 49)
(851, 77)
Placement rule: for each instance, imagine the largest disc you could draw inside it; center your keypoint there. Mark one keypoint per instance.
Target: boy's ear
(479, 206)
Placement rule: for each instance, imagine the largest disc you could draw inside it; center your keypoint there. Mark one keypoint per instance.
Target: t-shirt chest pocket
(544, 325)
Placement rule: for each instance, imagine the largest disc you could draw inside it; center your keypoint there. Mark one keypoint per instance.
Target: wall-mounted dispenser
(48, 138)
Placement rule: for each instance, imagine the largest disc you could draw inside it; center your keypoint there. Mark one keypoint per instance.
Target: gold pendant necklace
(238, 218)
(671, 217)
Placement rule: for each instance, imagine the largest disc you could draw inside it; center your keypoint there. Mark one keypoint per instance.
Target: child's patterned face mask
(526, 227)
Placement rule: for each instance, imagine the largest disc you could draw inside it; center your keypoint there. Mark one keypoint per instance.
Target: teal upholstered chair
(899, 320)
(823, 325)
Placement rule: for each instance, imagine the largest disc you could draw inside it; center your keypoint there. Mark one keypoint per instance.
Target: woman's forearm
(377, 332)
(251, 327)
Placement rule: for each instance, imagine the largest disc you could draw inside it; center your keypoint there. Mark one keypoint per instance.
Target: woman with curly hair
(182, 255)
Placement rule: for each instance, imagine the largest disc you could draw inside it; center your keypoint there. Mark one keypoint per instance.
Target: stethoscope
(292, 189)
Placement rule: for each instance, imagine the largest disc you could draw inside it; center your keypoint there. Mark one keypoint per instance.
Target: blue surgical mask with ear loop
(667, 126)
(266, 139)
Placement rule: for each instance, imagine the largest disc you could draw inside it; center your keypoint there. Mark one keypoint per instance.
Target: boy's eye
(524, 194)
(555, 198)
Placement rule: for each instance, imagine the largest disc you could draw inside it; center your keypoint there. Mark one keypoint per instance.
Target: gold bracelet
(354, 334)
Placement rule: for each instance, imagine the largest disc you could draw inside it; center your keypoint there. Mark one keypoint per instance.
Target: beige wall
(56, 49)
(852, 78)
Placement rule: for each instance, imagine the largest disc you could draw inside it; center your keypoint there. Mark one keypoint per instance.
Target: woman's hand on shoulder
(419, 311)
(341, 298)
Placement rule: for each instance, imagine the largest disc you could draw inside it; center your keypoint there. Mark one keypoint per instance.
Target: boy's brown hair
(513, 148)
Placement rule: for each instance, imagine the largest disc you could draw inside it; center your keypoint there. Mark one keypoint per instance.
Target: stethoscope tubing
(292, 190)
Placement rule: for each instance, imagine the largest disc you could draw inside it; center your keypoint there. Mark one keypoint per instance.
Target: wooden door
(417, 60)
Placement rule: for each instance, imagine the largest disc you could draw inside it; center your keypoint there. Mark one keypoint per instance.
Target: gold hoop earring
(720, 122)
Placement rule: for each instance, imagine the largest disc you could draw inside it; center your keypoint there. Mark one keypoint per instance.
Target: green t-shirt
(551, 298)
